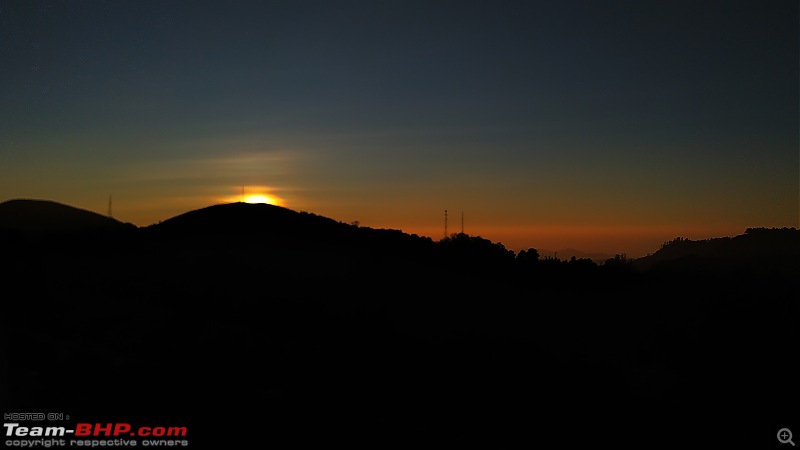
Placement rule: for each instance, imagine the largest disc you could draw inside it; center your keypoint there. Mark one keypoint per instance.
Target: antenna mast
(242, 194)
(445, 223)
(462, 222)
(109, 206)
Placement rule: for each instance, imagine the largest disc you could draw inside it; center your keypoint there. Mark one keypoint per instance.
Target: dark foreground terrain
(253, 325)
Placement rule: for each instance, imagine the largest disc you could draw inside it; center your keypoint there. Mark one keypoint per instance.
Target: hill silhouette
(38, 217)
(774, 249)
(233, 218)
(323, 329)
(264, 222)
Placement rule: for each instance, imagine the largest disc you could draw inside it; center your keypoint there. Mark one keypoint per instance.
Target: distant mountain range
(32, 217)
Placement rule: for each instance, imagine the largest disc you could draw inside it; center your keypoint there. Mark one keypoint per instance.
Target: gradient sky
(607, 126)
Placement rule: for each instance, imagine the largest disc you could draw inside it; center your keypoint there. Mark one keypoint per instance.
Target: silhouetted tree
(619, 261)
(528, 257)
(476, 253)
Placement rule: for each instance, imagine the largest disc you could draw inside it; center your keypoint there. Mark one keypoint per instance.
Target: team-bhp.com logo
(94, 435)
(95, 430)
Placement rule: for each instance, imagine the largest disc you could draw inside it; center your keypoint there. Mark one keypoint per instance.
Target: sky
(608, 126)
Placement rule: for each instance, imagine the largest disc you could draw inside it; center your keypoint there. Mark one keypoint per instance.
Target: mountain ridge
(46, 217)
(768, 247)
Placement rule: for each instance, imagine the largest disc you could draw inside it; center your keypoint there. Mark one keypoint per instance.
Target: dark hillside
(762, 249)
(37, 217)
(264, 224)
(308, 328)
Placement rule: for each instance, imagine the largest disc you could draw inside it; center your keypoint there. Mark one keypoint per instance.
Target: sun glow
(254, 195)
(259, 198)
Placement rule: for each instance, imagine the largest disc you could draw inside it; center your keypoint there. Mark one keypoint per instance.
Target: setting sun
(260, 199)
(255, 195)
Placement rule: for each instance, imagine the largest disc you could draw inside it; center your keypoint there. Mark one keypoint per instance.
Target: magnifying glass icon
(785, 436)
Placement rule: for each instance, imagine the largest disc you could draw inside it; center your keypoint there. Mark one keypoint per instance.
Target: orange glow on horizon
(634, 240)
